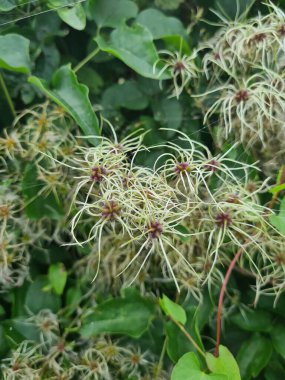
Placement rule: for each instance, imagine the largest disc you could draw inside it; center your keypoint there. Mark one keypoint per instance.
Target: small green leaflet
(173, 310)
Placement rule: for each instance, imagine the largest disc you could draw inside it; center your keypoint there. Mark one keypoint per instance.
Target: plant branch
(86, 60)
(221, 298)
(160, 363)
(7, 96)
(189, 337)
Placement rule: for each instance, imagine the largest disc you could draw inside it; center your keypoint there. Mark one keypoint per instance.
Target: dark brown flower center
(182, 167)
(242, 96)
(155, 230)
(135, 359)
(212, 166)
(98, 173)
(281, 30)
(223, 220)
(111, 210)
(4, 211)
(179, 66)
(259, 37)
(280, 258)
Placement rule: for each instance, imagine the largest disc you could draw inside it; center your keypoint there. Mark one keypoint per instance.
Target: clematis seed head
(223, 220)
(155, 230)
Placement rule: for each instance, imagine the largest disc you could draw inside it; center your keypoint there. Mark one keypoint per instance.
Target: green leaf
(12, 336)
(7, 5)
(53, 4)
(278, 221)
(253, 320)
(19, 329)
(73, 98)
(2, 311)
(176, 43)
(38, 299)
(47, 63)
(278, 339)
(160, 25)
(177, 343)
(127, 95)
(73, 297)
(134, 46)
(14, 53)
(197, 316)
(38, 205)
(18, 306)
(173, 310)
(74, 17)
(4, 347)
(188, 368)
(72, 14)
(253, 356)
(111, 13)
(130, 316)
(169, 113)
(274, 372)
(182, 233)
(91, 78)
(168, 4)
(225, 364)
(57, 276)
(277, 188)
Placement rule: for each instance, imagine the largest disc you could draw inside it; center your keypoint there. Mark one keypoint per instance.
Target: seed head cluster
(178, 221)
(244, 65)
(186, 213)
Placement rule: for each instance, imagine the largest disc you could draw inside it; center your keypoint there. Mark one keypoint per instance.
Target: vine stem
(7, 96)
(221, 298)
(86, 59)
(189, 337)
(160, 363)
(230, 269)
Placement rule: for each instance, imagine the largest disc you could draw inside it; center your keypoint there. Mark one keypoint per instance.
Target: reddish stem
(221, 298)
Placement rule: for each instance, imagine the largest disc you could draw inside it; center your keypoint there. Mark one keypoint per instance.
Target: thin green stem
(160, 363)
(7, 95)
(189, 337)
(86, 59)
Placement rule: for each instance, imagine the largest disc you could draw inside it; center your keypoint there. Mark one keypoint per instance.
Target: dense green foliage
(78, 299)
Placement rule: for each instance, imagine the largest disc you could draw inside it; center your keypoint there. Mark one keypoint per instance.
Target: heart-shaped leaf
(129, 315)
(188, 368)
(111, 13)
(73, 98)
(225, 364)
(134, 46)
(160, 25)
(14, 53)
(127, 95)
(38, 297)
(74, 17)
